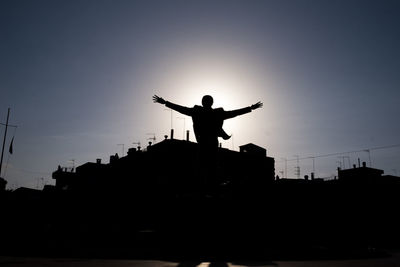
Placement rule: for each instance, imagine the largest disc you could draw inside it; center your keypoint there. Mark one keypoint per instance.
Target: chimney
(354, 166)
(187, 135)
(364, 164)
(312, 176)
(172, 133)
(98, 161)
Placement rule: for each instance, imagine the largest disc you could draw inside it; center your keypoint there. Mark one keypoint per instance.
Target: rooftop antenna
(313, 164)
(152, 138)
(297, 168)
(138, 144)
(73, 163)
(285, 159)
(123, 148)
(369, 156)
(339, 163)
(344, 165)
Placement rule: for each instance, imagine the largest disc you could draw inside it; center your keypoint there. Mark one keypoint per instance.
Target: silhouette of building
(170, 166)
(152, 198)
(3, 184)
(365, 175)
(64, 177)
(253, 149)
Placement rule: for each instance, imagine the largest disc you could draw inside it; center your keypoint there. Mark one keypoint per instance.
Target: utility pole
(4, 141)
(5, 138)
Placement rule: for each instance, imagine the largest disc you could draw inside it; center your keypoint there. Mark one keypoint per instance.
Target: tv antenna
(369, 156)
(152, 138)
(138, 144)
(285, 175)
(73, 163)
(297, 168)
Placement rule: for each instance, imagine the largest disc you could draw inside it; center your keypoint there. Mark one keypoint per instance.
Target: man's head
(207, 101)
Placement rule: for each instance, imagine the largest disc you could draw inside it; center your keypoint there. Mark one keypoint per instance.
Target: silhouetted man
(207, 126)
(207, 122)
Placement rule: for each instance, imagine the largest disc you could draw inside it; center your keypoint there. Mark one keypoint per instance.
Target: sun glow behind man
(231, 79)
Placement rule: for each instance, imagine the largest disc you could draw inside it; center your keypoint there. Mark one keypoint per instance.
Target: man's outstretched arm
(237, 112)
(179, 108)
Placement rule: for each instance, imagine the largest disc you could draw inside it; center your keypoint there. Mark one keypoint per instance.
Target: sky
(79, 77)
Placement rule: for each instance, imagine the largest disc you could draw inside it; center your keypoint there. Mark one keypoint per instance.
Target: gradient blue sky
(79, 76)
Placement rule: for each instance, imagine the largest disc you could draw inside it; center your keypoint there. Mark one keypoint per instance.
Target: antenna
(285, 159)
(138, 144)
(73, 163)
(344, 165)
(339, 163)
(152, 138)
(369, 157)
(313, 164)
(297, 168)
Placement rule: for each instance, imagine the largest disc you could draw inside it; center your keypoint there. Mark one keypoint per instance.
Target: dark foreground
(391, 258)
(284, 225)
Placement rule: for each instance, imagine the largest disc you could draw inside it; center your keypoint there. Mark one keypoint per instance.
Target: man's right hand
(157, 99)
